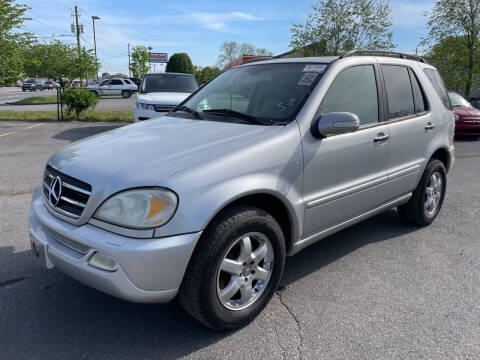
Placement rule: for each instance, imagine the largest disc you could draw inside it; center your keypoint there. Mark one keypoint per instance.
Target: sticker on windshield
(307, 79)
(319, 68)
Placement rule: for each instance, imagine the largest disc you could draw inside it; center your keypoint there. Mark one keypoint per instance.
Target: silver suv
(263, 161)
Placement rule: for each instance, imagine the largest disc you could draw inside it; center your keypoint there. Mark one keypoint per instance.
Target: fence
(30, 103)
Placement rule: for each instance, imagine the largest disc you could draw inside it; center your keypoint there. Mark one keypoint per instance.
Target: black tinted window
(354, 90)
(399, 91)
(116, 82)
(169, 83)
(439, 86)
(418, 96)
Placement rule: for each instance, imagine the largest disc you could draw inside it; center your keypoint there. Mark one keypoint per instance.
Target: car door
(410, 131)
(346, 175)
(116, 87)
(104, 87)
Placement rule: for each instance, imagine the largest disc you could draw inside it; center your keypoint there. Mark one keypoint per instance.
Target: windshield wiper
(188, 110)
(237, 114)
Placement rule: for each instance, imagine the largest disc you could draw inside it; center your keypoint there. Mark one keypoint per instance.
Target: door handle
(381, 137)
(429, 126)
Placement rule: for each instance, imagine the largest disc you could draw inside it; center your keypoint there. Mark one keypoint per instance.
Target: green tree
(181, 63)
(336, 26)
(459, 19)
(139, 60)
(231, 51)
(12, 39)
(58, 61)
(206, 73)
(452, 61)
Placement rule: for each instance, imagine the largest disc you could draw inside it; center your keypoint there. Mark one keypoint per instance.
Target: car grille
(74, 195)
(164, 107)
(70, 243)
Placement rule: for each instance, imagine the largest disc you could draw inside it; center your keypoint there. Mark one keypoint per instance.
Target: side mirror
(336, 123)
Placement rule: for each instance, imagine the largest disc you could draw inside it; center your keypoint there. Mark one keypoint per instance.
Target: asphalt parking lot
(379, 290)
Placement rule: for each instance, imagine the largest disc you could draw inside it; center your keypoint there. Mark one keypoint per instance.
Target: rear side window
(354, 90)
(439, 86)
(127, 81)
(116, 82)
(418, 96)
(399, 91)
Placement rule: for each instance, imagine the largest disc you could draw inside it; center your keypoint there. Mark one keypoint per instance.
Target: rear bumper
(147, 270)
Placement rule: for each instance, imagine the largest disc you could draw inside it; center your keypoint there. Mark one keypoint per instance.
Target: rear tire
(427, 199)
(126, 94)
(225, 299)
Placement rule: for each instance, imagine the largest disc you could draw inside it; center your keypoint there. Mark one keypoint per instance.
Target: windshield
(29, 81)
(457, 100)
(273, 92)
(168, 83)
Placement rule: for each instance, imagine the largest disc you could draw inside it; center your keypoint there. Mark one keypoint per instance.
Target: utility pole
(77, 29)
(129, 71)
(95, 43)
(149, 63)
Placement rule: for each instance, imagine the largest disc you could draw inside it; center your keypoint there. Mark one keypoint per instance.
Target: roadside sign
(158, 57)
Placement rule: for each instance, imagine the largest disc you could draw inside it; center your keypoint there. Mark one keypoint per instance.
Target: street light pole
(95, 42)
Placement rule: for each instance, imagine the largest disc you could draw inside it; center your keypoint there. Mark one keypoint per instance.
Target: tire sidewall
(434, 166)
(235, 318)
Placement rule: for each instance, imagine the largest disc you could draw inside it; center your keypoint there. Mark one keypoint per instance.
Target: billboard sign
(158, 57)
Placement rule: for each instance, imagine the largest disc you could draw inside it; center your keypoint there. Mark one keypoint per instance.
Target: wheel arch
(272, 204)
(443, 155)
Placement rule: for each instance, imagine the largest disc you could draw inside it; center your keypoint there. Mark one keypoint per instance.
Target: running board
(302, 244)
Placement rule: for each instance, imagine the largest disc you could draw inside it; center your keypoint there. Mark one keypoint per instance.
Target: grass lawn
(96, 115)
(35, 100)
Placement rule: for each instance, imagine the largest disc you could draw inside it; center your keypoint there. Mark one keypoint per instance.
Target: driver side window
(354, 90)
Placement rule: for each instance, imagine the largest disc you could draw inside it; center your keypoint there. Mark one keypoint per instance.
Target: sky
(195, 27)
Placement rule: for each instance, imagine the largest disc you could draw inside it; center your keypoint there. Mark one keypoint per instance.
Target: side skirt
(303, 243)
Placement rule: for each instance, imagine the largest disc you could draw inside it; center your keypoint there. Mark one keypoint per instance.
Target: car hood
(143, 154)
(466, 111)
(162, 97)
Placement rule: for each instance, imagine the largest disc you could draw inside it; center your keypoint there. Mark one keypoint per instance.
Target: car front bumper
(147, 270)
(144, 114)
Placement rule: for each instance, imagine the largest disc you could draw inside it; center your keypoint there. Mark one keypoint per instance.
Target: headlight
(139, 208)
(456, 117)
(145, 106)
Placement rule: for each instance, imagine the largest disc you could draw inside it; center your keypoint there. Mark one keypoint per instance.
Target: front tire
(235, 269)
(427, 199)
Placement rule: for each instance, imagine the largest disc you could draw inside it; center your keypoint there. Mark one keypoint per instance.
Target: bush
(79, 100)
(180, 63)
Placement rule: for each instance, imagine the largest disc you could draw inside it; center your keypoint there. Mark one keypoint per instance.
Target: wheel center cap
(246, 270)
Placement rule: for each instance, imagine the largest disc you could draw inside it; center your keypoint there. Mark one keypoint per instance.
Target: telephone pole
(95, 44)
(129, 71)
(77, 29)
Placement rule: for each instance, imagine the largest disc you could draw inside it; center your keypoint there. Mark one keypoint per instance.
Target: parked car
(50, 85)
(263, 161)
(475, 103)
(136, 81)
(161, 93)
(111, 87)
(32, 85)
(467, 118)
(76, 83)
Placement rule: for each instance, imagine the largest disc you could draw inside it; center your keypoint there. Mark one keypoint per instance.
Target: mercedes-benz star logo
(55, 191)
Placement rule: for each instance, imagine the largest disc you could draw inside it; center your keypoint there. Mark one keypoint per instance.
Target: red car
(467, 118)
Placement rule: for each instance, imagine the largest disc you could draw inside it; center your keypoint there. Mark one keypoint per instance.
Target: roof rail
(383, 53)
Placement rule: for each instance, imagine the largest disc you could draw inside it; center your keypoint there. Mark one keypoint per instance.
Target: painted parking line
(25, 128)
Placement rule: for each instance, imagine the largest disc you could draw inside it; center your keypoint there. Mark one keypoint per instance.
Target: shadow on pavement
(83, 132)
(51, 316)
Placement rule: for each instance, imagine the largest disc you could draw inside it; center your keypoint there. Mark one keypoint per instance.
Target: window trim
(380, 104)
(410, 116)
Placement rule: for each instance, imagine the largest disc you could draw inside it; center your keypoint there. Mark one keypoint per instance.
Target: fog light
(103, 262)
